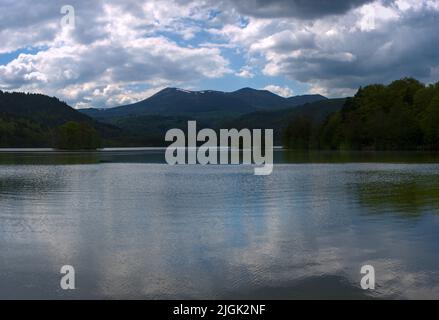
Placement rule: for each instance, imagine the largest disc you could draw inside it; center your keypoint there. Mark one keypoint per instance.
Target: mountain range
(27, 120)
(208, 104)
(401, 115)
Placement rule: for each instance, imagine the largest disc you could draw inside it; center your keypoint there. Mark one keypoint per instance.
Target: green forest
(23, 133)
(35, 120)
(403, 115)
(76, 136)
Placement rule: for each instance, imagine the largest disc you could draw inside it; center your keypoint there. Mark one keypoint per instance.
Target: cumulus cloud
(245, 72)
(377, 42)
(279, 90)
(123, 48)
(116, 44)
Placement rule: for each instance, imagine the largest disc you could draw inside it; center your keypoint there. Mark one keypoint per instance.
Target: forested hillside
(401, 116)
(32, 120)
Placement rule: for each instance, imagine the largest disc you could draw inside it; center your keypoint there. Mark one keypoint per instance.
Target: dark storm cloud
(302, 9)
(406, 48)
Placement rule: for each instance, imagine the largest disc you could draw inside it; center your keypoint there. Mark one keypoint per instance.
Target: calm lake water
(134, 227)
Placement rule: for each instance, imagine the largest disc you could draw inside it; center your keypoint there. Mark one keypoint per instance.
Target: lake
(134, 227)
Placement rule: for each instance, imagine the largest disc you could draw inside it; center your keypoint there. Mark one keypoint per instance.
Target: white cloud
(116, 49)
(281, 91)
(150, 44)
(376, 42)
(245, 72)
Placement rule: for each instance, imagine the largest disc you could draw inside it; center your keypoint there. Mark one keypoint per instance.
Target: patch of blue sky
(5, 58)
(212, 14)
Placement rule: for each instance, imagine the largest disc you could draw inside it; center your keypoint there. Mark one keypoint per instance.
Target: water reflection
(295, 156)
(157, 155)
(49, 158)
(148, 230)
(403, 192)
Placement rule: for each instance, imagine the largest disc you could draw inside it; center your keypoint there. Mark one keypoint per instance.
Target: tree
(298, 133)
(430, 124)
(76, 136)
(401, 116)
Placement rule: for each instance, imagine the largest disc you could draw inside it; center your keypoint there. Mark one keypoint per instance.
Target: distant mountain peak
(311, 95)
(251, 90)
(206, 104)
(245, 90)
(173, 89)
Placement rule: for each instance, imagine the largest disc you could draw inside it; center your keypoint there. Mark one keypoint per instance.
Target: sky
(116, 52)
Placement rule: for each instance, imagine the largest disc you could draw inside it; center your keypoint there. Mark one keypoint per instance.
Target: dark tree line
(36, 120)
(24, 133)
(401, 116)
(21, 133)
(76, 136)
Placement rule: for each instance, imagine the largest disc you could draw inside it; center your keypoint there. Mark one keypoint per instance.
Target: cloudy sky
(121, 51)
